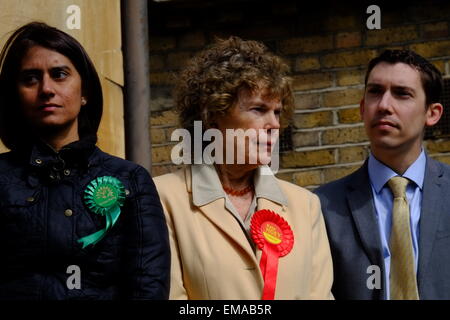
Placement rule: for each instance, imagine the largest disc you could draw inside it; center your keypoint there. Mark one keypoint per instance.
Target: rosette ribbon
(274, 237)
(104, 196)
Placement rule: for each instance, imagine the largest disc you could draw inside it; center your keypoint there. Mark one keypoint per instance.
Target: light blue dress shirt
(379, 175)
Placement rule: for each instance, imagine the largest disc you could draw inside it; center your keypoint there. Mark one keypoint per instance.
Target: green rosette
(103, 196)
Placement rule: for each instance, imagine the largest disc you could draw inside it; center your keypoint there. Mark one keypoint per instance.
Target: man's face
(394, 108)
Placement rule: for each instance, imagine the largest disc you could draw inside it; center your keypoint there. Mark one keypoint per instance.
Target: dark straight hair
(13, 129)
(430, 76)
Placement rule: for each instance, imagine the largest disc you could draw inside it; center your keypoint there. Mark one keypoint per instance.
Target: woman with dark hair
(75, 222)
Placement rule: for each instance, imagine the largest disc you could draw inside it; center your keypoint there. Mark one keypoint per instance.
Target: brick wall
(328, 47)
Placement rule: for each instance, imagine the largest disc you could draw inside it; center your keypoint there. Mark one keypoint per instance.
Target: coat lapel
(228, 224)
(270, 205)
(360, 201)
(433, 195)
(216, 213)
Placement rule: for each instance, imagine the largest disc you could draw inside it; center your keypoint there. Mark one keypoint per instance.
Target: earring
(83, 101)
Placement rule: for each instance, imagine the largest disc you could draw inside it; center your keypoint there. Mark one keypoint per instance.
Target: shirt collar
(206, 185)
(266, 186)
(37, 152)
(380, 174)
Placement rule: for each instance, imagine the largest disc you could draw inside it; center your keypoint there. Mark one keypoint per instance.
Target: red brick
(391, 35)
(313, 81)
(192, 40)
(305, 139)
(440, 65)
(307, 64)
(350, 77)
(348, 39)
(308, 178)
(344, 135)
(164, 118)
(438, 146)
(342, 97)
(351, 115)
(314, 158)
(313, 119)
(158, 135)
(352, 154)
(178, 60)
(306, 44)
(340, 22)
(435, 30)
(432, 48)
(162, 78)
(286, 176)
(161, 43)
(161, 154)
(264, 31)
(332, 174)
(156, 62)
(307, 101)
(349, 58)
(178, 22)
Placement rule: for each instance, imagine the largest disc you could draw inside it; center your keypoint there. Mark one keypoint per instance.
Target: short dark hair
(13, 132)
(430, 76)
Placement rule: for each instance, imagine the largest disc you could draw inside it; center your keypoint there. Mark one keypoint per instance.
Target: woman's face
(50, 91)
(258, 115)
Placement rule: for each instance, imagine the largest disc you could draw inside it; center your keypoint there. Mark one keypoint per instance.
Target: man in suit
(390, 238)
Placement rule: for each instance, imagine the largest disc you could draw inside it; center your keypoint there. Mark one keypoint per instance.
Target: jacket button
(30, 199)
(38, 161)
(66, 172)
(68, 213)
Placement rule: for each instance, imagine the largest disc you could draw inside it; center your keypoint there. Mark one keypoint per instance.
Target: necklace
(238, 193)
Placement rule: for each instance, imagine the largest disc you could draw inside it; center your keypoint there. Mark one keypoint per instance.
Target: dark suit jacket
(355, 241)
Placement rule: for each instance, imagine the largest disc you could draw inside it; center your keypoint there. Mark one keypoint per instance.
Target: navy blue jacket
(42, 216)
(355, 241)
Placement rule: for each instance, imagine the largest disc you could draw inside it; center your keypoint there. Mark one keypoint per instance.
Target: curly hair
(210, 83)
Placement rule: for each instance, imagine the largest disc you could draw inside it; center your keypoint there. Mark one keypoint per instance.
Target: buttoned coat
(213, 259)
(43, 215)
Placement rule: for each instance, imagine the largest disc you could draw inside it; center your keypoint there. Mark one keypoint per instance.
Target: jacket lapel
(228, 224)
(360, 201)
(270, 205)
(433, 196)
(216, 213)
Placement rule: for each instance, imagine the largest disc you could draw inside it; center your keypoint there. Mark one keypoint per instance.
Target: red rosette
(274, 237)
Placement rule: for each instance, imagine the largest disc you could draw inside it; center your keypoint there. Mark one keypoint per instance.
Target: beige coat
(212, 258)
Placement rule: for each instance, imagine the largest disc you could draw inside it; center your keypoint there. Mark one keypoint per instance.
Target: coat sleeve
(177, 289)
(165, 188)
(322, 277)
(147, 251)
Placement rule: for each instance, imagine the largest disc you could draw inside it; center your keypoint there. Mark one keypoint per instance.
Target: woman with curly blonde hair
(236, 231)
